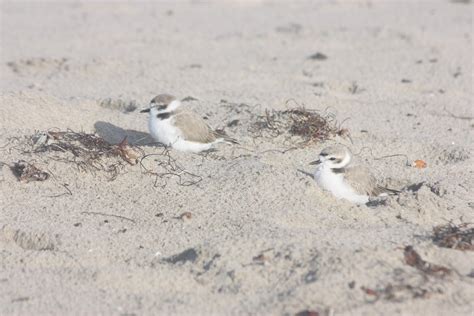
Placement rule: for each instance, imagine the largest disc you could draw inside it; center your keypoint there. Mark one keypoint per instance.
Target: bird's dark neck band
(338, 170)
(164, 116)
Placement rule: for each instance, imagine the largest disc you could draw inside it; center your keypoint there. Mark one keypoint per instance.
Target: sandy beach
(244, 230)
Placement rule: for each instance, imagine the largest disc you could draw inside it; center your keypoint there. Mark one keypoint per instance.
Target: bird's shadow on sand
(114, 134)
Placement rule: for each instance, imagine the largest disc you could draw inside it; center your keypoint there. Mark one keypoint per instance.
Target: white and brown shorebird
(179, 128)
(352, 183)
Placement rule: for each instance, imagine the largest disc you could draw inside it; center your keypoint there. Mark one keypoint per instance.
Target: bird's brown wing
(193, 127)
(362, 181)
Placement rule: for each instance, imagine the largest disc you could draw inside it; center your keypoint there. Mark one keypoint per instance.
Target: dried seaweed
(406, 287)
(309, 125)
(28, 172)
(413, 259)
(87, 151)
(167, 167)
(396, 293)
(454, 236)
(403, 290)
(92, 153)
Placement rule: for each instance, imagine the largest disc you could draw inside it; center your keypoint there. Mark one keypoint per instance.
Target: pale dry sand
(263, 239)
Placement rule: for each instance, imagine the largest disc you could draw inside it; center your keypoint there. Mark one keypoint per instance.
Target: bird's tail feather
(388, 190)
(222, 135)
(231, 140)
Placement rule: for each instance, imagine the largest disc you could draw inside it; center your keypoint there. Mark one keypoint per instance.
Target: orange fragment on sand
(420, 164)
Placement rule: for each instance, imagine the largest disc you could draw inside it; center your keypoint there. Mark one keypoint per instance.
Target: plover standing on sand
(354, 184)
(181, 129)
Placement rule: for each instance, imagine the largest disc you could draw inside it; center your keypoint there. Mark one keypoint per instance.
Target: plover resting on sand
(354, 184)
(181, 129)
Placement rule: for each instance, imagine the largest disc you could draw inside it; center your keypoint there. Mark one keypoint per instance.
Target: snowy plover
(355, 184)
(181, 129)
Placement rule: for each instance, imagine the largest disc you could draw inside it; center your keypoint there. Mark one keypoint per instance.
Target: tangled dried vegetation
(91, 153)
(87, 151)
(167, 167)
(310, 125)
(454, 236)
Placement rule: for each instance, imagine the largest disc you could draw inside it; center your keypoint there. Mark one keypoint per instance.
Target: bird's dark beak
(145, 110)
(316, 162)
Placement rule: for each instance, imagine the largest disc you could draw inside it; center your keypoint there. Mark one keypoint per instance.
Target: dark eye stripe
(323, 154)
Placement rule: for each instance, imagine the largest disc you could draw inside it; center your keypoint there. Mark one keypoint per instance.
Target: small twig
(69, 192)
(306, 173)
(394, 155)
(383, 157)
(284, 151)
(64, 185)
(459, 117)
(111, 215)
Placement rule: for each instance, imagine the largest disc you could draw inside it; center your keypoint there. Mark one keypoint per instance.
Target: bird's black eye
(332, 158)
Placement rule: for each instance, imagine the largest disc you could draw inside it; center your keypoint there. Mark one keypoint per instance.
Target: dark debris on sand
(413, 259)
(402, 288)
(310, 125)
(396, 292)
(454, 236)
(28, 172)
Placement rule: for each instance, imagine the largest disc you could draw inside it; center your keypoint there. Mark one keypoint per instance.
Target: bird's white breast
(334, 183)
(163, 131)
